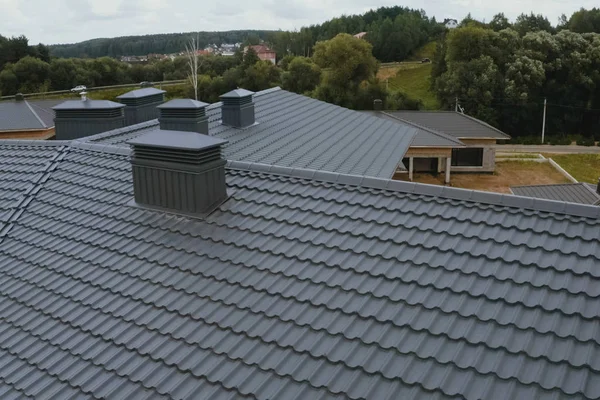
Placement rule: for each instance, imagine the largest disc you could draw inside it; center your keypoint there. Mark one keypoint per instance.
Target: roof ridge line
(218, 104)
(100, 148)
(118, 131)
(480, 122)
(35, 114)
(489, 198)
(432, 131)
(32, 142)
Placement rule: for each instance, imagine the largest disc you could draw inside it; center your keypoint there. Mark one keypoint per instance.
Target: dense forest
(151, 44)
(501, 72)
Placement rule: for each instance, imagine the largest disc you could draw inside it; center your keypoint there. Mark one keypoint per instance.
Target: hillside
(148, 44)
(412, 77)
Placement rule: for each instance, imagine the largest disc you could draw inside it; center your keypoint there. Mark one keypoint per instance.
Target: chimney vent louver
(377, 105)
(141, 104)
(181, 172)
(19, 97)
(237, 109)
(75, 119)
(184, 115)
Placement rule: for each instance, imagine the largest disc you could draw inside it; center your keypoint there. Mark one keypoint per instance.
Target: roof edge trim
(489, 198)
(101, 148)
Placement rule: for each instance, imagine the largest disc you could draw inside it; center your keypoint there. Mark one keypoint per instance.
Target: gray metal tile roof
(295, 288)
(582, 193)
(139, 93)
(297, 131)
(425, 137)
(27, 114)
(452, 123)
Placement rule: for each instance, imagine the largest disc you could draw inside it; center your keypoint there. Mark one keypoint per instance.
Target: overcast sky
(69, 21)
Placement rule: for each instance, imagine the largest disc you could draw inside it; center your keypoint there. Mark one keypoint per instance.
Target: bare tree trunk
(191, 51)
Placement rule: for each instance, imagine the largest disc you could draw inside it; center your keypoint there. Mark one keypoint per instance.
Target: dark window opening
(469, 157)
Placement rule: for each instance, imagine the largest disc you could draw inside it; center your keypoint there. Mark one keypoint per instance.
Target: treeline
(15, 48)
(502, 72)
(394, 32)
(33, 75)
(152, 44)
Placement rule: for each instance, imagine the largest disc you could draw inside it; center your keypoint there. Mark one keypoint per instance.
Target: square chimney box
(237, 109)
(179, 172)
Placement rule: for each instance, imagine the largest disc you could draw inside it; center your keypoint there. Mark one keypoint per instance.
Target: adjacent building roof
(139, 93)
(302, 285)
(583, 193)
(296, 131)
(27, 114)
(456, 124)
(425, 137)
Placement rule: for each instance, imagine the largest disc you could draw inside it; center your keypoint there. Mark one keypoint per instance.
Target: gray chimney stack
(184, 115)
(237, 110)
(19, 97)
(141, 104)
(377, 105)
(598, 187)
(181, 172)
(75, 119)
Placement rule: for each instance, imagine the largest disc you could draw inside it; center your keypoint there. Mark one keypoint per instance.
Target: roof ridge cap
(35, 114)
(427, 129)
(444, 192)
(100, 148)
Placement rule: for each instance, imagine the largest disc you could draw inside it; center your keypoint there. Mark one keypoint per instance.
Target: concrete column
(440, 164)
(448, 164)
(410, 169)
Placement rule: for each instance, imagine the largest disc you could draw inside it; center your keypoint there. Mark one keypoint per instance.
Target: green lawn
(583, 167)
(415, 81)
(427, 51)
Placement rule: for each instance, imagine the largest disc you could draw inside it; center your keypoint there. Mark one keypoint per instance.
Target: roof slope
(582, 193)
(27, 114)
(296, 289)
(300, 132)
(425, 137)
(452, 123)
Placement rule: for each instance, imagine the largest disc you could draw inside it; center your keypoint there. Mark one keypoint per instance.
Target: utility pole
(544, 122)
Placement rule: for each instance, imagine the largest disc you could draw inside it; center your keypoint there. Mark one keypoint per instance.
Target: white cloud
(67, 21)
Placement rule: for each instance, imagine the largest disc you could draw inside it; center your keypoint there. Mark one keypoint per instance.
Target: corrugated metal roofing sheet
(297, 131)
(572, 192)
(452, 123)
(294, 289)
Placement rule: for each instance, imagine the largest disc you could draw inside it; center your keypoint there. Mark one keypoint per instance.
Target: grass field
(508, 173)
(415, 81)
(427, 51)
(583, 167)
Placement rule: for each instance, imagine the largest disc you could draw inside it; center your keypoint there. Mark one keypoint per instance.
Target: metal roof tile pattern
(299, 132)
(27, 114)
(582, 193)
(294, 288)
(425, 136)
(456, 124)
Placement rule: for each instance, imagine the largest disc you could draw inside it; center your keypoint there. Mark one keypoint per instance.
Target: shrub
(588, 141)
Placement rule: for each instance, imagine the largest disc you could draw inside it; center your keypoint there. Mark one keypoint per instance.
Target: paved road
(518, 148)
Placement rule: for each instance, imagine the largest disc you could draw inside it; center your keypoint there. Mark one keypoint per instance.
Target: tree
(31, 73)
(499, 22)
(191, 54)
(9, 83)
(262, 75)
(583, 21)
(350, 60)
(250, 58)
(302, 75)
(531, 23)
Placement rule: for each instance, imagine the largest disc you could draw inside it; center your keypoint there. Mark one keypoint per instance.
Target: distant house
(27, 119)
(360, 35)
(450, 23)
(447, 141)
(263, 52)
